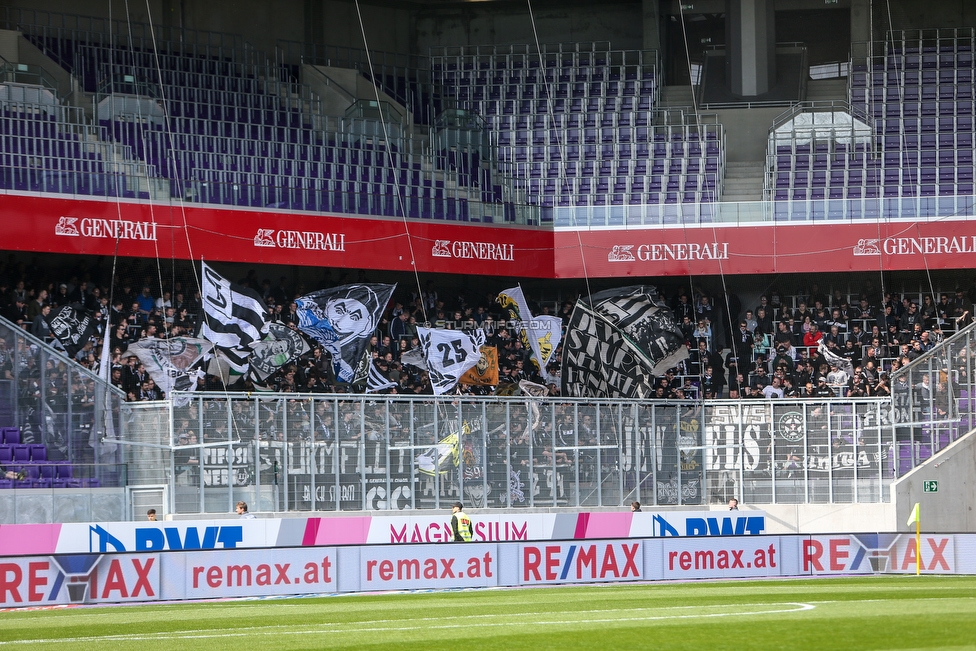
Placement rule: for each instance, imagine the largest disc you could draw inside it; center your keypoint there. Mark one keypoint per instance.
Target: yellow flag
(913, 518)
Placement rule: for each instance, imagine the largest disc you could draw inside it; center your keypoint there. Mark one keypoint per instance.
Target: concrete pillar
(750, 46)
(860, 21)
(651, 13)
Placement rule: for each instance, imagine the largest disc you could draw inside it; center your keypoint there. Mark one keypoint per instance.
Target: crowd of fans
(768, 350)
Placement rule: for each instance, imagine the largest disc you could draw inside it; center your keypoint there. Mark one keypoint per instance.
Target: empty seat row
(22, 453)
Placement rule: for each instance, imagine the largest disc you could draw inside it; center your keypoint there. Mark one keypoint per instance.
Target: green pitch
(857, 613)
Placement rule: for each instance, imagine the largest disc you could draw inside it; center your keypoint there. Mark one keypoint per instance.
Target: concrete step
(743, 181)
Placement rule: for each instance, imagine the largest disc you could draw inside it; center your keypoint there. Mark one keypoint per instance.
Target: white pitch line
(358, 625)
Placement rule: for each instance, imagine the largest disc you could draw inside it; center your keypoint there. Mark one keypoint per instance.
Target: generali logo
(917, 246)
(621, 253)
(473, 250)
(307, 240)
(112, 229)
(660, 252)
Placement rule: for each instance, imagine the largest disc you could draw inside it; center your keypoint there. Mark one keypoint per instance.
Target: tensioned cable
(391, 159)
(182, 211)
(904, 137)
(561, 140)
(704, 144)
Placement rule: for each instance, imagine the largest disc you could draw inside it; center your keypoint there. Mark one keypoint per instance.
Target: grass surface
(856, 613)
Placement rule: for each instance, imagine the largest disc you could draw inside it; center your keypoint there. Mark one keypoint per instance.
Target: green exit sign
(930, 486)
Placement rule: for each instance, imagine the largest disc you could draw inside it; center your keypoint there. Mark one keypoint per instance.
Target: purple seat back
(6, 454)
(38, 452)
(21, 453)
(64, 471)
(11, 435)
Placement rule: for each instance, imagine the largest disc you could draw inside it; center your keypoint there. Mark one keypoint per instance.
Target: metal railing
(61, 404)
(934, 399)
(353, 453)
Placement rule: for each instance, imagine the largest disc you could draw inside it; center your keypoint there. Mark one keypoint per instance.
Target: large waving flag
(342, 320)
(540, 334)
(234, 316)
(73, 328)
(617, 341)
(282, 345)
(170, 361)
(449, 354)
(485, 370)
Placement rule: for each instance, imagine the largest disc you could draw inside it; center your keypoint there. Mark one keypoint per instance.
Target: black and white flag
(449, 354)
(171, 362)
(342, 320)
(71, 327)
(376, 381)
(617, 341)
(282, 345)
(234, 316)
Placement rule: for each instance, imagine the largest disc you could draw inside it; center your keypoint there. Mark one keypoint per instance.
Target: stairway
(743, 181)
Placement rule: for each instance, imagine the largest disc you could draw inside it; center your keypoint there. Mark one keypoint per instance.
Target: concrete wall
(827, 518)
(951, 508)
(621, 23)
(45, 506)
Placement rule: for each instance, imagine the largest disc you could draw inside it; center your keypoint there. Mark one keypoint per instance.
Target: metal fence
(353, 453)
(62, 405)
(934, 399)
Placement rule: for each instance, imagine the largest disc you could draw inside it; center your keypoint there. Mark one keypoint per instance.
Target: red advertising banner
(767, 248)
(61, 225)
(93, 227)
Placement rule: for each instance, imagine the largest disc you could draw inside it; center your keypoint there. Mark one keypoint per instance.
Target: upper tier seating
(918, 99)
(575, 130)
(572, 134)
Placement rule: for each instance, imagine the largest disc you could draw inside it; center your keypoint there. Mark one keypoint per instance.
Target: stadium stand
(915, 101)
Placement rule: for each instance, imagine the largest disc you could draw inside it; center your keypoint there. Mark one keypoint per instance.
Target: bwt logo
(581, 562)
(740, 525)
(154, 539)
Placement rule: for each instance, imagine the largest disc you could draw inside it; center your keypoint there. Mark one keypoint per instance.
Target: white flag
(449, 354)
(234, 316)
(540, 333)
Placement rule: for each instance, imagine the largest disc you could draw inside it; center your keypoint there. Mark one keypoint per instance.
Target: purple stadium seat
(65, 471)
(38, 452)
(11, 435)
(21, 454)
(6, 454)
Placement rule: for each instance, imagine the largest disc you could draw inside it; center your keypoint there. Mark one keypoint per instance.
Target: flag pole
(918, 541)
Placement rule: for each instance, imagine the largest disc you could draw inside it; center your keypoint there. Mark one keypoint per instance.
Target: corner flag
(913, 518)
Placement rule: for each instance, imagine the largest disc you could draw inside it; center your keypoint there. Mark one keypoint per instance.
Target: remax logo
(568, 563)
(876, 553)
(78, 579)
(154, 539)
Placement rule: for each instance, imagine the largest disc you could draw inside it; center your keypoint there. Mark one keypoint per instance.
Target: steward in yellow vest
(461, 524)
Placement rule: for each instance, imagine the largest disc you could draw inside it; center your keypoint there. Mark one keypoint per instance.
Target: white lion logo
(867, 247)
(621, 253)
(264, 237)
(66, 226)
(442, 249)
